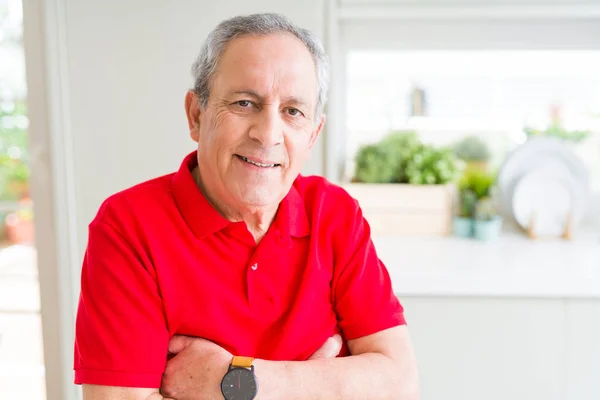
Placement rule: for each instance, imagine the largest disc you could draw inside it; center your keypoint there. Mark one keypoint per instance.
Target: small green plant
(428, 165)
(375, 164)
(467, 202)
(478, 181)
(401, 158)
(558, 131)
(401, 145)
(473, 187)
(485, 209)
(472, 148)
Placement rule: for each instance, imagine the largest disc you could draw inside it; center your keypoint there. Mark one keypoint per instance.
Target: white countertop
(512, 266)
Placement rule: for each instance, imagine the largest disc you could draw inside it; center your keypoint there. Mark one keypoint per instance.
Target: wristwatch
(239, 383)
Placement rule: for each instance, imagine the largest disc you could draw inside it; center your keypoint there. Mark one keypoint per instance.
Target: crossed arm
(382, 366)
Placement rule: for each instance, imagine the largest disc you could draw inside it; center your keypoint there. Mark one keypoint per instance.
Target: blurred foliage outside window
(14, 156)
(16, 214)
(14, 162)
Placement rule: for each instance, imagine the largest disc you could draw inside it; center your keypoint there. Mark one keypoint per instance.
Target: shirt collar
(291, 216)
(204, 220)
(198, 213)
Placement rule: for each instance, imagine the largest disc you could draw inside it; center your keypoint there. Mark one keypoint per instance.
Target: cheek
(220, 118)
(222, 135)
(297, 147)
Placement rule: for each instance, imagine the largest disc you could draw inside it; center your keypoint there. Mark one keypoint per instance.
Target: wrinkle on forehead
(276, 66)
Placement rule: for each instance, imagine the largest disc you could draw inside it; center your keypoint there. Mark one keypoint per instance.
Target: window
(22, 373)
(446, 95)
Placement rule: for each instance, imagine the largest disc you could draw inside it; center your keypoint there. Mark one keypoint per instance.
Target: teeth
(257, 163)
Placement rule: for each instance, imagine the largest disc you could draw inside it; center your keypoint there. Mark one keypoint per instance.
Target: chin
(260, 197)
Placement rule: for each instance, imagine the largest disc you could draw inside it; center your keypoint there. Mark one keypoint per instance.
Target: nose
(268, 129)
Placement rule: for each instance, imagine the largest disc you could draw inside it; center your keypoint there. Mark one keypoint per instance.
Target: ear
(193, 112)
(315, 134)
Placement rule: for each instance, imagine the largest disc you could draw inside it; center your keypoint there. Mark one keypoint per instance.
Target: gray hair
(206, 64)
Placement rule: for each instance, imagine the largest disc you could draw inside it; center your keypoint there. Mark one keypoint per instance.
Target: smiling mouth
(261, 165)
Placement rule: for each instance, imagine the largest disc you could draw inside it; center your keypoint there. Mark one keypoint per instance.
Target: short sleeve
(363, 297)
(121, 337)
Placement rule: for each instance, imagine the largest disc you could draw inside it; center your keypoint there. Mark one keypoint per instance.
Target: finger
(178, 343)
(330, 349)
(336, 346)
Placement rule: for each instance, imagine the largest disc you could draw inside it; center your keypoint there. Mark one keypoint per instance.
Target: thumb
(330, 349)
(178, 343)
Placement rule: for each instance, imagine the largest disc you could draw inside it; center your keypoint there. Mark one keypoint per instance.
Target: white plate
(545, 197)
(544, 152)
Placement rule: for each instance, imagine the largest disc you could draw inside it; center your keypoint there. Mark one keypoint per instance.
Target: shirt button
(254, 266)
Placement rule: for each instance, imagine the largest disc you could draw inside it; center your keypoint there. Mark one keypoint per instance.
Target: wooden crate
(402, 209)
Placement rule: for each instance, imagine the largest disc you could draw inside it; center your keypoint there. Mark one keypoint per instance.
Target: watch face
(239, 384)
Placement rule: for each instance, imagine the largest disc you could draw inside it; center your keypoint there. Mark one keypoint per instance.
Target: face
(259, 126)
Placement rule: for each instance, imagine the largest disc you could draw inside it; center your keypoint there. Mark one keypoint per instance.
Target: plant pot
(463, 227)
(19, 231)
(405, 209)
(488, 230)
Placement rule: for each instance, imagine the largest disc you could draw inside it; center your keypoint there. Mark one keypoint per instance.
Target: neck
(257, 219)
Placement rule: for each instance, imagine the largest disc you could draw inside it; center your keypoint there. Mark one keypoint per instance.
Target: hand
(196, 370)
(198, 366)
(330, 349)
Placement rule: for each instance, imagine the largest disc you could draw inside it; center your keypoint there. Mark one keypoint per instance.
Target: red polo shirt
(162, 261)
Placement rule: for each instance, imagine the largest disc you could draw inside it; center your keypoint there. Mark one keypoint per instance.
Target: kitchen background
(468, 130)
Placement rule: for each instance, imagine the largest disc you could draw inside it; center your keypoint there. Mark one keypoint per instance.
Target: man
(232, 277)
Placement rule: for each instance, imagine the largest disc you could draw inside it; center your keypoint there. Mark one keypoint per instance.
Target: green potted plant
(375, 164)
(428, 165)
(463, 223)
(474, 186)
(386, 160)
(488, 223)
(405, 186)
(473, 151)
(401, 158)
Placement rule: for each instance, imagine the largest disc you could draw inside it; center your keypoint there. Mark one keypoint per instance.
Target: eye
(243, 103)
(294, 112)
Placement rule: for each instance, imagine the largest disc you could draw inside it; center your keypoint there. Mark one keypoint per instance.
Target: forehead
(274, 65)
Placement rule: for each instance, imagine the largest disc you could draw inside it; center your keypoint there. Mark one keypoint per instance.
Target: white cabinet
(473, 348)
(582, 356)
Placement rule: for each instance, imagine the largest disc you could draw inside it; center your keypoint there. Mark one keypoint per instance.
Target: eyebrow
(248, 92)
(290, 99)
